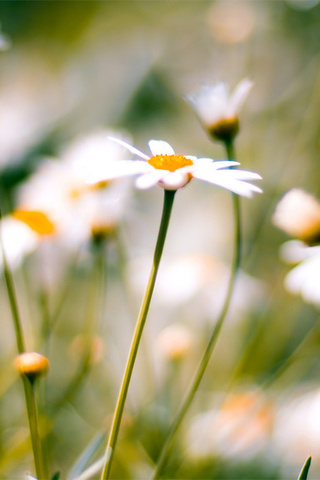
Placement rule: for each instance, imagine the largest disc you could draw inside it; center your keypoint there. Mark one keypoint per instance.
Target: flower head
(171, 171)
(218, 110)
(298, 214)
(31, 364)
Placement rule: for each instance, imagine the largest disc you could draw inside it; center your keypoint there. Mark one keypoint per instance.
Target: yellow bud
(31, 364)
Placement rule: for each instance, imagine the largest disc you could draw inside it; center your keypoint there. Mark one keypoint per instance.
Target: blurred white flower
(218, 110)
(304, 279)
(58, 189)
(298, 214)
(172, 171)
(174, 342)
(296, 429)
(230, 22)
(18, 240)
(32, 101)
(240, 428)
(186, 284)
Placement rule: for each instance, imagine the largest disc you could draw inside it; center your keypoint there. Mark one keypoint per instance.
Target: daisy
(171, 171)
(298, 215)
(218, 110)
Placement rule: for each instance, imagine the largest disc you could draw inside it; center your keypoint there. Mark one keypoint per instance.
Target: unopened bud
(31, 364)
(225, 129)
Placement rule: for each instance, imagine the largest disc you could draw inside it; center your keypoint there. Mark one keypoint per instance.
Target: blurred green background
(77, 66)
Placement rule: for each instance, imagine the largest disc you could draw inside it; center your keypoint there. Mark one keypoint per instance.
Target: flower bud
(225, 129)
(31, 364)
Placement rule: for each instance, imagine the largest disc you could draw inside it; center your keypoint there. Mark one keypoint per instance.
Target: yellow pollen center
(169, 162)
(37, 221)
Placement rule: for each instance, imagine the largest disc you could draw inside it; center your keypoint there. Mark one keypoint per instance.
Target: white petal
(244, 175)
(130, 148)
(294, 251)
(118, 169)
(216, 164)
(175, 180)
(223, 179)
(239, 95)
(150, 179)
(159, 147)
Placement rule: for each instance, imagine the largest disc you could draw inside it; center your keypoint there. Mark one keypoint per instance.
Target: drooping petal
(160, 147)
(239, 95)
(223, 179)
(216, 164)
(129, 147)
(244, 175)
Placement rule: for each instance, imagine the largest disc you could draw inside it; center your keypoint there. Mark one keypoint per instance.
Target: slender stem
(166, 213)
(40, 465)
(13, 302)
(214, 336)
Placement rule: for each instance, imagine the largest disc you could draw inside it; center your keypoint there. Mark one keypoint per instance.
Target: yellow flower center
(37, 221)
(169, 162)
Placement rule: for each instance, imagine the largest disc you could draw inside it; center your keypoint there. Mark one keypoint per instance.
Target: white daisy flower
(218, 110)
(171, 171)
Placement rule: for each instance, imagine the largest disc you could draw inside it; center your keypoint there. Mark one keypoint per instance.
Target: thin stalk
(166, 213)
(214, 336)
(13, 303)
(40, 465)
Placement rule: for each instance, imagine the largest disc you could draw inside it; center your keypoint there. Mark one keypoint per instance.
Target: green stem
(13, 303)
(214, 336)
(39, 462)
(40, 465)
(166, 213)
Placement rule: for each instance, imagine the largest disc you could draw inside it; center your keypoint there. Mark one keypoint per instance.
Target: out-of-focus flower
(186, 284)
(172, 171)
(57, 188)
(218, 110)
(174, 342)
(304, 279)
(93, 347)
(32, 102)
(298, 214)
(240, 428)
(296, 429)
(230, 22)
(18, 238)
